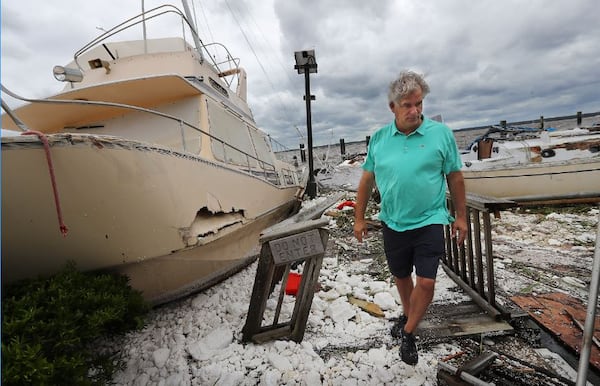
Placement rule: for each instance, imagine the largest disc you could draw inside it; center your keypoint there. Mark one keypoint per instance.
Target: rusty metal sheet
(555, 312)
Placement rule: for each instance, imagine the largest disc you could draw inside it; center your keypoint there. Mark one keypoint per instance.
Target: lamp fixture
(66, 74)
(305, 60)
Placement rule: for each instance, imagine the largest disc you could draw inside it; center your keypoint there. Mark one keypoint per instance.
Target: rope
(63, 228)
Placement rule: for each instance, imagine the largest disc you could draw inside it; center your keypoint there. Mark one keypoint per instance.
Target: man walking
(412, 161)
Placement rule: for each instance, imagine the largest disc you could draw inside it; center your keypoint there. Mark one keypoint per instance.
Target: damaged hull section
(191, 270)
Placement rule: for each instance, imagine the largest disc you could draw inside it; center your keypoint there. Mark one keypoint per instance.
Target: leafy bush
(49, 326)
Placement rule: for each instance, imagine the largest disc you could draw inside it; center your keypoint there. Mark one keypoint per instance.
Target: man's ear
(391, 104)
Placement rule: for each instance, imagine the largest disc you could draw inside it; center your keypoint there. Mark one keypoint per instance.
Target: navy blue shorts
(421, 248)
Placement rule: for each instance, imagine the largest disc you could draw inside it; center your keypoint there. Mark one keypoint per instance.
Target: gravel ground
(197, 340)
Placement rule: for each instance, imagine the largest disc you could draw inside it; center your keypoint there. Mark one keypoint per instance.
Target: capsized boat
(529, 164)
(148, 163)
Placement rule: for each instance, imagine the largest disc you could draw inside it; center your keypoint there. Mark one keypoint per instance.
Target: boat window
(261, 145)
(218, 87)
(233, 134)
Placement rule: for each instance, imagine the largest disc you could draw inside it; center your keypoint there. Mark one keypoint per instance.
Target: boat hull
(579, 178)
(131, 207)
(173, 276)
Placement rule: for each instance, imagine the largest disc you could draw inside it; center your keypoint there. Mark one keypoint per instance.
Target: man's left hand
(459, 230)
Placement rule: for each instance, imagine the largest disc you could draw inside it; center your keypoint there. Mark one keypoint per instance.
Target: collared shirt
(410, 173)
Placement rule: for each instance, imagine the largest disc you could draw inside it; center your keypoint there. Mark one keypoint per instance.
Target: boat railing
(252, 165)
(228, 62)
(268, 171)
(229, 65)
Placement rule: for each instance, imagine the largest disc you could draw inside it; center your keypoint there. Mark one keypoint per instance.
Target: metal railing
(268, 170)
(471, 265)
(227, 64)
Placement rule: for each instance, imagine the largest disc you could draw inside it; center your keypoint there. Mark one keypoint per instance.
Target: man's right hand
(360, 229)
(363, 193)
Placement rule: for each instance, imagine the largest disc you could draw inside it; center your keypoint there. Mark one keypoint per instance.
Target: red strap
(63, 228)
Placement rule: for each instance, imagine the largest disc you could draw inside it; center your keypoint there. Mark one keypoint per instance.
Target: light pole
(305, 64)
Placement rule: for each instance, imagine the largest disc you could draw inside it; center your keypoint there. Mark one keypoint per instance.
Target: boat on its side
(148, 163)
(526, 164)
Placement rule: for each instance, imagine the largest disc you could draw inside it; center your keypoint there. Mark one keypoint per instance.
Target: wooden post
(579, 118)
(342, 147)
(302, 153)
(541, 122)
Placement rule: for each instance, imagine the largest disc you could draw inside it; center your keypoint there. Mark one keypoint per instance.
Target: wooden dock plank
(462, 319)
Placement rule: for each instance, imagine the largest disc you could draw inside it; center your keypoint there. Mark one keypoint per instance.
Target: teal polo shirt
(410, 173)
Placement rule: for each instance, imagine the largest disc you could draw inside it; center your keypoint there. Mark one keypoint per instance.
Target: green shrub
(49, 326)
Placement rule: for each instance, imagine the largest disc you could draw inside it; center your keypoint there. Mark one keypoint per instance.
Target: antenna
(188, 15)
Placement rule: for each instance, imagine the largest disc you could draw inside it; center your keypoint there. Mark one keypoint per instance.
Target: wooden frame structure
(281, 249)
(471, 265)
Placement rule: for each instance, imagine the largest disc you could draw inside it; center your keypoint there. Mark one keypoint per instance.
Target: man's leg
(428, 245)
(398, 253)
(420, 298)
(405, 288)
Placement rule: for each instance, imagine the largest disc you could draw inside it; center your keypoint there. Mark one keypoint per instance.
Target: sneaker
(408, 350)
(396, 329)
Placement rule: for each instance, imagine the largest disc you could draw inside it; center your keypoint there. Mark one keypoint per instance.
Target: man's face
(408, 111)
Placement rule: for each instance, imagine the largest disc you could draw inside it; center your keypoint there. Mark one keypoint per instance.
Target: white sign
(296, 247)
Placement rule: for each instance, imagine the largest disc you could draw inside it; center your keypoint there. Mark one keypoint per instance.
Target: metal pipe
(464, 376)
(588, 332)
(144, 28)
(22, 126)
(194, 28)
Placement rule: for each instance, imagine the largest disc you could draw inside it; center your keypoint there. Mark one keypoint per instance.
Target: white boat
(148, 163)
(525, 164)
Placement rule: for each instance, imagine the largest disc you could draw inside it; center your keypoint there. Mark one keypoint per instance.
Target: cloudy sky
(485, 60)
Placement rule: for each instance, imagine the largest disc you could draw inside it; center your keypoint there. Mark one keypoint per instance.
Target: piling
(342, 147)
